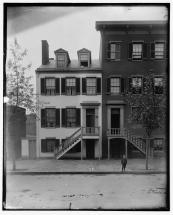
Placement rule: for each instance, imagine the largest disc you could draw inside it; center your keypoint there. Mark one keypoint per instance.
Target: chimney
(45, 52)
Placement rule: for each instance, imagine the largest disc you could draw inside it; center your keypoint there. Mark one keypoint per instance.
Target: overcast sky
(70, 28)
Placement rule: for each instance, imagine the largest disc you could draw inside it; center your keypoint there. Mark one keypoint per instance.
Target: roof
(73, 65)
(101, 25)
(60, 50)
(84, 50)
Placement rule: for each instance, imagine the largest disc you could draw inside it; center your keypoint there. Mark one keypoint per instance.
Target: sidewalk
(52, 166)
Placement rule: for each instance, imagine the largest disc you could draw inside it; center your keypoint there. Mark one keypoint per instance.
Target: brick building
(129, 49)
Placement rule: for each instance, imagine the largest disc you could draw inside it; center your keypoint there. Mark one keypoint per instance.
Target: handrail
(91, 130)
(74, 133)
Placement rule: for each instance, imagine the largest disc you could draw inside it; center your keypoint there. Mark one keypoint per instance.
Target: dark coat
(124, 161)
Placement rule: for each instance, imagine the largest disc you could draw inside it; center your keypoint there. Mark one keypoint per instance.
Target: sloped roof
(83, 50)
(73, 65)
(60, 50)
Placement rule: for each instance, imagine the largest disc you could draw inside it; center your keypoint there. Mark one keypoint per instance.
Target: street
(128, 191)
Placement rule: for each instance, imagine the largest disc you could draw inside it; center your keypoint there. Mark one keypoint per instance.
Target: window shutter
(63, 117)
(108, 50)
(43, 118)
(43, 145)
(78, 118)
(145, 49)
(108, 85)
(63, 85)
(166, 50)
(130, 49)
(78, 85)
(57, 85)
(83, 85)
(152, 50)
(42, 86)
(58, 117)
(98, 85)
(130, 84)
(122, 85)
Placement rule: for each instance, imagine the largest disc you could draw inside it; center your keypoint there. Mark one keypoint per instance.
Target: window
(136, 85)
(91, 86)
(115, 85)
(114, 51)
(71, 117)
(71, 86)
(159, 50)
(61, 59)
(137, 51)
(84, 60)
(158, 144)
(50, 86)
(158, 85)
(48, 145)
(51, 117)
(136, 114)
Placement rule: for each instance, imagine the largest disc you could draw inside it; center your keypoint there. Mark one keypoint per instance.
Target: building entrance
(90, 149)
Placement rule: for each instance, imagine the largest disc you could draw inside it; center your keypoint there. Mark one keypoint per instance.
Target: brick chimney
(45, 52)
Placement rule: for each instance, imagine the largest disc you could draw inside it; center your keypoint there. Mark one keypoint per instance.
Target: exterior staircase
(136, 141)
(69, 143)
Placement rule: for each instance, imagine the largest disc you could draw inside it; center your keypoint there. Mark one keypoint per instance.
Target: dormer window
(84, 56)
(61, 60)
(84, 60)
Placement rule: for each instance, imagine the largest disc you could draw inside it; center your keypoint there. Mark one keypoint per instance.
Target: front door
(90, 148)
(90, 117)
(115, 118)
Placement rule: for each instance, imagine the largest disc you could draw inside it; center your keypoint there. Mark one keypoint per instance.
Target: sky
(70, 28)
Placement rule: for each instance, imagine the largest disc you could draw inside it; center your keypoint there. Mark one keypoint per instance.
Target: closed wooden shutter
(84, 85)
(63, 117)
(130, 50)
(108, 85)
(122, 85)
(152, 50)
(57, 86)
(43, 118)
(63, 86)
(57, 117)
(78, 85)
(98, 85)
(42, 84)
(145, 50)
(43, 145)
(78, 118)
(108, 51)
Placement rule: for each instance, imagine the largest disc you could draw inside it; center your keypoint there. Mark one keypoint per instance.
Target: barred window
(71, 117)
(137, 85)
(159, 50)
(61, 60)
(50, 86)
(158, 85)
(114, 51)
(137, 51)
(115, 85)
(50, 117)
(71, 86)
(91, 86)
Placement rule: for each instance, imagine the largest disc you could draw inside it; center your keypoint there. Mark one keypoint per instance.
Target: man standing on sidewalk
(123, 162)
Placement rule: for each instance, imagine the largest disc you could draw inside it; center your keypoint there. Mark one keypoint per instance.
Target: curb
(86, 173)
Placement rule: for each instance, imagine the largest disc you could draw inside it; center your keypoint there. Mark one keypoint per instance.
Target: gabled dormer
(62, 58)
(84, 57)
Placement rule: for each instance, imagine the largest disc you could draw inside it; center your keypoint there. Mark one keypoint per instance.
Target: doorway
(115, 117)
(90, 117)
(90, 149)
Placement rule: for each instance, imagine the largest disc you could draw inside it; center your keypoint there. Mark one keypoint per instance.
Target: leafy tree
(150, 106)
(19, 86)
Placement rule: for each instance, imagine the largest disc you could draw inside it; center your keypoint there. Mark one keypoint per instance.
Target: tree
(18, 85)
(149, 107)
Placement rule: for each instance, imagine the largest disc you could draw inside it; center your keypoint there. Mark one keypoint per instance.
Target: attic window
(61, 60)
(84, 60)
